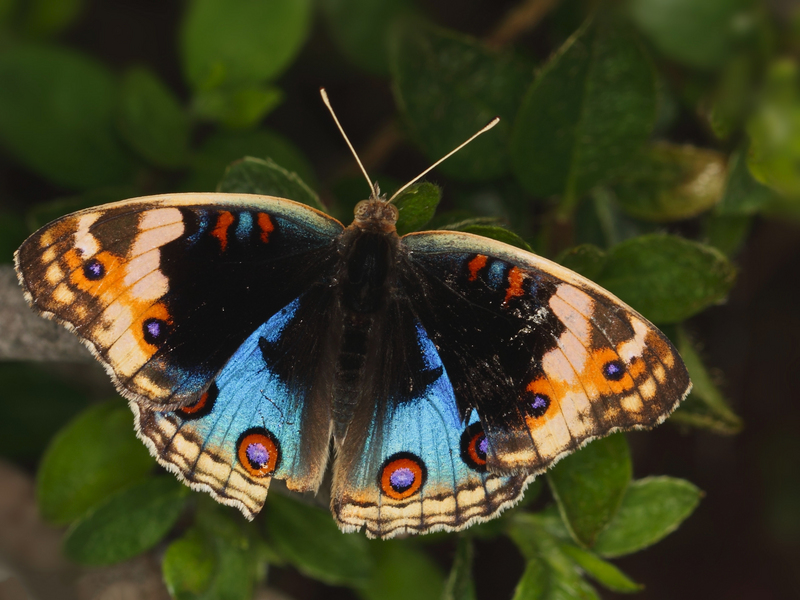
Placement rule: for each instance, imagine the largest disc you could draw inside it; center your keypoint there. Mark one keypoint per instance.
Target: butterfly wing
(267, 413)
(547, 358)
(409, 462)
(164, 289)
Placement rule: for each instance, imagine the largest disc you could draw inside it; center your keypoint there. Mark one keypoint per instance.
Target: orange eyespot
(474, 447)
(402, 475)
(203, 406)
(259, 452)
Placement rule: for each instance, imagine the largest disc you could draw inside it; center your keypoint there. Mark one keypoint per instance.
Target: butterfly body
(253, 334)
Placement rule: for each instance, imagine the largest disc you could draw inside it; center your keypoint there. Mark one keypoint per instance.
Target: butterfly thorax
(368, 252)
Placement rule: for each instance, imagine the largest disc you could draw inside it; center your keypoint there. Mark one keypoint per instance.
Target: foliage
(587, 144)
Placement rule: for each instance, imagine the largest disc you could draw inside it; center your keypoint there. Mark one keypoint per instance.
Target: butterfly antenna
(489, 125)
(373, 187)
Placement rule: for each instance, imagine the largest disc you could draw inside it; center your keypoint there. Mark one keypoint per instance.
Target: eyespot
(536, 403)
(203, 406)
(259, 452)
(402, 475)
(614, 370)
(474, 447)
(154, 331)
(93, 270)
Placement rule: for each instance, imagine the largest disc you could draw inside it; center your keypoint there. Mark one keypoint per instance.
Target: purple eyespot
(614, 370)
(483, 446)
(93, 270)
(154, 330)
(538, 404)
(402, 479)
(258, 455)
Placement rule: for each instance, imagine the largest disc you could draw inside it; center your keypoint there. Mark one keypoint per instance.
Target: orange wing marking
(266, 226)
(515, 279)
(475, 265)
(220, 230)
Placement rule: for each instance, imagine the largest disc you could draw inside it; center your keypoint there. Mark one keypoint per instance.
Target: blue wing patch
(421, 468)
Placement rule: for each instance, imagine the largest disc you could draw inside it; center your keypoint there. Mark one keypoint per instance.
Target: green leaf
(222, 148)
(589, 486)
(698, 34)
(36, 405)
(459, 584)
(743, 194)
(455, 220)
(586, 259)
(535, 581)
(416, 206)
(309, 539)
(705, 407)
(449, 86)
(92, 457)
(236, 42)
(361, 29)
(237, 108)
(653, 508)
(402, 571)
(151, 120)
(726, 232)
(666, 278)
(131, 521)
(501, 234)
(189, 564)
(256, 176)
(586, 114)
(671, 182)
(774, 131)
(56, 116)
(48, 17)
(601, 571)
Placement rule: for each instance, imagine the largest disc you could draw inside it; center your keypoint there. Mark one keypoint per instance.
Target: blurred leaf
(126, 524)
(189, 565)
(586, 114)
(666, 278)
(92, 457)
(41, 214)
(459, 584)
(605, 217)
(334, 557)
(361, 29)
(601, 571)
(47, 17)
(586, 259)
(671, 182)
(151, 120)
(256, 176)
(237, 108)
(454, 220)
(733, 95)
(36, 405)
(7, 9)
(774, 131)
(743, 194)
(589, 486)
(653, 508)
(550, 574)
(402, 572)
(56, 113)
(12, 233)
(705, 407)
(448, 86)
(222, 148)
(698, 34)
(725, 232)
(236, 42)
(501, 234)
(416, 206)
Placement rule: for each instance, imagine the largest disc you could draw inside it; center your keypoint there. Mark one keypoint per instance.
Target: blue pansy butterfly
(252, 334)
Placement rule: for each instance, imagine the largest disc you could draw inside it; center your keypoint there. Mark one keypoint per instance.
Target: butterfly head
(376, 215)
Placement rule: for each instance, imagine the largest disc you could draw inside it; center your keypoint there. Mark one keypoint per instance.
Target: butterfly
(252, 334)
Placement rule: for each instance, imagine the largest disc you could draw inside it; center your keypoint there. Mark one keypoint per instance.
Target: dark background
(744, 539)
